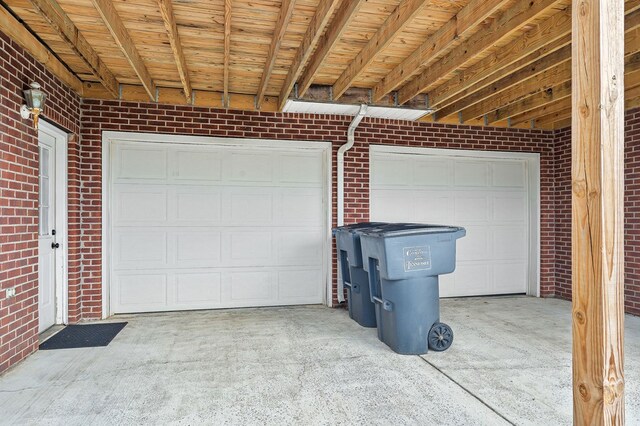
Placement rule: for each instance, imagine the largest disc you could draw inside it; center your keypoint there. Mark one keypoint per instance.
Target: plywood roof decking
(201, 24)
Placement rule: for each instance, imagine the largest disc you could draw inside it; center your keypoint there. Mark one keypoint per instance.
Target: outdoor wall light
(35, 103)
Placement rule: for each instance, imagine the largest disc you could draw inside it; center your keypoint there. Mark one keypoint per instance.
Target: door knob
(55, 245)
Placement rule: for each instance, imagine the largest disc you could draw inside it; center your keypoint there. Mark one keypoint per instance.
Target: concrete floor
(510, 364)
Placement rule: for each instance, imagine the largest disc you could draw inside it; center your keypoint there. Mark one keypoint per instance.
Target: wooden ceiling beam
(467, 19)
(227, 52)
(528, 103)
(319, 21)
(122, 38)
(396, 22)
(286, 10)
(51, 11)
(546, 37)
(540, 82)
(513, 19)
(21, 35)
(169, 19)
(343, 16)
(545, 110)
(514, 77)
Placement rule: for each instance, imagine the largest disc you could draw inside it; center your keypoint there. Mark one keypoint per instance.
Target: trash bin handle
(346, 284)
(386, 305)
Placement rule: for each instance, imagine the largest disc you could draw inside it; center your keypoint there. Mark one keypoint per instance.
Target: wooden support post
(598, 221)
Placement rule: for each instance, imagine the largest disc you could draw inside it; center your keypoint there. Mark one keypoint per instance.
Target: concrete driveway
(510, 364)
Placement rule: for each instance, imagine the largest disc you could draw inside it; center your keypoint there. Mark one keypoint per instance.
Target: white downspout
(340, 189)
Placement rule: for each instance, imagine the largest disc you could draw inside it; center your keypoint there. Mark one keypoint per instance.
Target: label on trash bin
(417, 258)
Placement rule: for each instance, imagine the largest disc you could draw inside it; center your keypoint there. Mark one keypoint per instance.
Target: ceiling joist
(461, 25)
(341, 20)
(51, 11)
(513, 19)
(227, 52)
(286, 10)
(399, 18)
(166, 10)
(122, 38)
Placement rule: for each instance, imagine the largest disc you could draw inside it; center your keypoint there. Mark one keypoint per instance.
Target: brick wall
(19, 198)
(631, 211)
(98, 116)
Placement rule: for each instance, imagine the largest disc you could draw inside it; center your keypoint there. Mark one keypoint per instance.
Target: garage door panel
(427, 172)
(509, 242)
(299, 286)
(140, 204)
(198, 249)
(300, 168)
(251, 167)
(471, 173)
(195, 165)
(509, 174)
(475, 245)
(300, 207)
(140, 248)
(299, 247)
(196, 205)
(510, 207)
(141, 291)
(198, 289)
(470, 208)
(392, 172)
(248, 207)
(430, 206)
(510, 277)
(251, 286)
(141, 164)
(248, 248)
(487, 196)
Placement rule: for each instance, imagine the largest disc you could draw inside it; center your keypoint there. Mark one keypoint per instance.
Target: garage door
(488, 196)
(214, 226)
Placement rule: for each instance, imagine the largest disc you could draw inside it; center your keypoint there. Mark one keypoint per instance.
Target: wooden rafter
(281, 27)
(169, 19)
(396, 22)
(544, 38)
(227, 52)
(518, 15)
(319, 21)
(545, 110)
(51, 11)
(343, 16)
(475, 12)
(597, 183)
(532, 102)
(122, 38)
(14, 29)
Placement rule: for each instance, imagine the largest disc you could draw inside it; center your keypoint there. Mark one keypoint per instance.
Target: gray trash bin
(354, 278)
(403, 263)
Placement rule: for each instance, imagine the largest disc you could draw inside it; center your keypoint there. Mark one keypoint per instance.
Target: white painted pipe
(340, 189)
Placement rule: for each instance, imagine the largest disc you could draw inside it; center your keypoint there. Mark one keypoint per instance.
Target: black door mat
(83, 336)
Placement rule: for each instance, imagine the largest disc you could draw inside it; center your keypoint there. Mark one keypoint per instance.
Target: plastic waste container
(403, 264)
(354, 278)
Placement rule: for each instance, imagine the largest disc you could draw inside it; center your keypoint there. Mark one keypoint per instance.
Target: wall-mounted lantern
(34, 98)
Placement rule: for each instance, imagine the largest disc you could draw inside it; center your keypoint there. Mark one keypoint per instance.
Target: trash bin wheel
(440, 337)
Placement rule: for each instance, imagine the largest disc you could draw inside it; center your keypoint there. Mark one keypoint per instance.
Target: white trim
(532, 160)
(108, 137)
(61, 220)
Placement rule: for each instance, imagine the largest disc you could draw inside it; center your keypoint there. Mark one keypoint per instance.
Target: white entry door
(201, 226)
(489, 196)
(46, 231)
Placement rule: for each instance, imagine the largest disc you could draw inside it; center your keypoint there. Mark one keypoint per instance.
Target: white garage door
(487, 196)
(211, 226)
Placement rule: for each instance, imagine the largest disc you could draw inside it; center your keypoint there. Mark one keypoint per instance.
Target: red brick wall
(19, 198)
(146, 117)
(631, 211)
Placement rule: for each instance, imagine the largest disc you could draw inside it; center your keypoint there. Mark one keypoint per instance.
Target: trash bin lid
(359, 225)
(399, 229)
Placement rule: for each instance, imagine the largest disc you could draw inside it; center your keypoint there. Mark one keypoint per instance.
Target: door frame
(108, 137)
(61, 219)
(532, 161)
